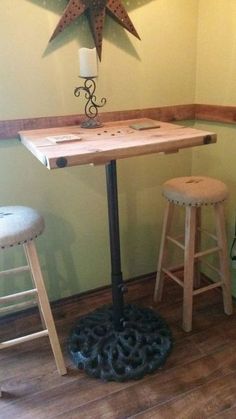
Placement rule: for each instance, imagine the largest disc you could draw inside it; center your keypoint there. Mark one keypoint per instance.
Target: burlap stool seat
(194, 192)
(20, 226)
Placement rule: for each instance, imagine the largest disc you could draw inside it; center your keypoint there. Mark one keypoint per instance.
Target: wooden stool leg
(223, 256)
(168, 215)
(190, 233)
(197, 265)
(40, 313)
(32, 257)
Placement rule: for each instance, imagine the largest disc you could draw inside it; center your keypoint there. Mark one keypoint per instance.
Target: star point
(96, 13)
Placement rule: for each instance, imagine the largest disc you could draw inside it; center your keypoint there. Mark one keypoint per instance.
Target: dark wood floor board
(24, 378)
(217, 336)
(226, 414)
(203, 318)
(203, 402)
(23, 384)
(21, 375)
(201, 359)
(60, 398)
(159, 388)
(31, 372)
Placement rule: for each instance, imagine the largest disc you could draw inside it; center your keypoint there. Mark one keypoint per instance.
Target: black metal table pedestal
(118, 287)
(119, 342)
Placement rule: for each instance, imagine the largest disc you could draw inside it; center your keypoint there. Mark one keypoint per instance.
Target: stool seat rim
(18, 225)
(195, 190)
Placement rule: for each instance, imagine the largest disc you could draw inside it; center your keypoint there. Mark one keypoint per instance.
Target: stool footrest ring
(172, 276)
(22, 339)
(15, 270)
(18, 295)
(208, 288)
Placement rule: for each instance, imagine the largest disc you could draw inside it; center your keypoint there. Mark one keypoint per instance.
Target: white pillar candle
(88, 62)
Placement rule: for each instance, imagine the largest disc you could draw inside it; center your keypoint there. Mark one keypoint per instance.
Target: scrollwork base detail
(140, 348)
(91, 106)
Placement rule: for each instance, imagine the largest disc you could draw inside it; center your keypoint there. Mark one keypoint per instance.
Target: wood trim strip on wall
(216, 113)
(10, 128)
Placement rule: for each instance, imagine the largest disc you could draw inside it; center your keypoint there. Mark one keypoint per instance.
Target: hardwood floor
(198, 380)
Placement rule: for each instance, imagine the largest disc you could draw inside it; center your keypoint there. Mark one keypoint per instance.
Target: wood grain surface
(198, 380)
(115, 140)
(216, 113)
(10, 128)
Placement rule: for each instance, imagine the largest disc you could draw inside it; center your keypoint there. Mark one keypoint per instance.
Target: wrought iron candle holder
(91, 106)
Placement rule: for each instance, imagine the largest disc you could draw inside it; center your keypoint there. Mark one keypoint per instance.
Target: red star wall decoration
(95, 11)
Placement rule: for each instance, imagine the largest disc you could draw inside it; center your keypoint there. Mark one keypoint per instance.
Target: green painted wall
(216, 84)
(219, 162)
(187, 54)
(216, 53)
(37, 80)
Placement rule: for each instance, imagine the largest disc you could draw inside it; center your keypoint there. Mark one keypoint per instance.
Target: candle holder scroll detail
(91, 106)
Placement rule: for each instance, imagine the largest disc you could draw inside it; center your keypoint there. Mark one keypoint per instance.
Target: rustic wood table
(118, 342)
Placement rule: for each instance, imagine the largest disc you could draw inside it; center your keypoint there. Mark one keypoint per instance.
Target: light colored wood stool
(194, 192)
(20, 226)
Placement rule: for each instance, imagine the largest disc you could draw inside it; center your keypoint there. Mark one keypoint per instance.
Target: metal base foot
(140, 348)
(91, 123)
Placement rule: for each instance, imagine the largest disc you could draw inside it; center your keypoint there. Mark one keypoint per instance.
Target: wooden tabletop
(71, 146)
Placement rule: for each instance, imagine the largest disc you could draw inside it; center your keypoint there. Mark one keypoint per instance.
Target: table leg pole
(118, 342)
(116, 274)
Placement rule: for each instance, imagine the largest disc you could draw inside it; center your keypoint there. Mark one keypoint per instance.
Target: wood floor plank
(159, 388)
(22, 384)
(213, 397)
(226, 414)
(202, 359)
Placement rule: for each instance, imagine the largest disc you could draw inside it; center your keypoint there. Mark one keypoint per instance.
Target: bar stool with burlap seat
(194, 192)
(20, 226)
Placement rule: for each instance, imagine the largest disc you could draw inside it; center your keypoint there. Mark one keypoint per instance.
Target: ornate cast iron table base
(103, 352)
